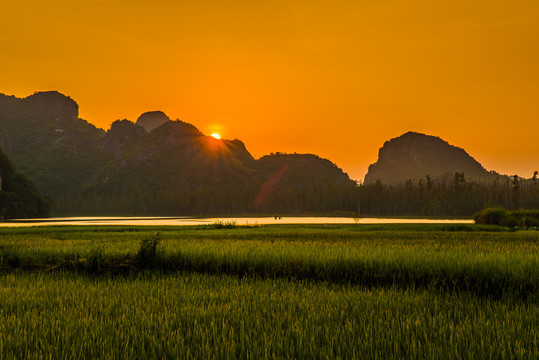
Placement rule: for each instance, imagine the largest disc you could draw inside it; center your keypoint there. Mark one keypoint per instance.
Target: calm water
(179, 221)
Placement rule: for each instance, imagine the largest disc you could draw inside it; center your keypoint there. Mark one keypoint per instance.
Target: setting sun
(215, 135)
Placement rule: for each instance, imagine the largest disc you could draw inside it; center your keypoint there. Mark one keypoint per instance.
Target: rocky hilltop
(152, 120)
(414, 156)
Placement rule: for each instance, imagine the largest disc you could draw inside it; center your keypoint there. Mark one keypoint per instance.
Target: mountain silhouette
(413, 156)
(156, 165)
(47, 141)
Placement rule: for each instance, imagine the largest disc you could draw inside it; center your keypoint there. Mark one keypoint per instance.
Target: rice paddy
(390, 291)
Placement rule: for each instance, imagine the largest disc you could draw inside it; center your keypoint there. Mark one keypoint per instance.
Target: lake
(181, 221)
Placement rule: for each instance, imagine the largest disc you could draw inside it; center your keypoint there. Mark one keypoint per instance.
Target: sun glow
(215, 135)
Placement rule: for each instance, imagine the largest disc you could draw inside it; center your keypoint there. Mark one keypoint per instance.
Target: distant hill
(173, 169)
(47, 141)
(303, 181)
(414, 156)
(176, 168)
(19, 198)
(157, 166)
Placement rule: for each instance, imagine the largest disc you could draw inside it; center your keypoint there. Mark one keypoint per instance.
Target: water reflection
(179, 221)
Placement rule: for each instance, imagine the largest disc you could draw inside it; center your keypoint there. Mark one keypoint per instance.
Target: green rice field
(309, 291)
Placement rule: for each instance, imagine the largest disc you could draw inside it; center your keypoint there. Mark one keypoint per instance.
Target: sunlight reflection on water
(181, 221)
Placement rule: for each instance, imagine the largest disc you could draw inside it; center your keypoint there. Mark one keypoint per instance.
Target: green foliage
(19, 197)
(458, 197)
(492, 216)
(511, 219)
(148, 254)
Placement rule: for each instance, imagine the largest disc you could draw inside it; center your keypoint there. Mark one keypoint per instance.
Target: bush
(491, 216)
(148, 254)
(510, 219)
(95, 261)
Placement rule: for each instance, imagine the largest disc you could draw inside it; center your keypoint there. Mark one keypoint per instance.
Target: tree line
(455, 197)
(426, 197)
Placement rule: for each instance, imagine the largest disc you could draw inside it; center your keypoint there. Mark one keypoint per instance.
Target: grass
(287, 291)
(487, 263)
(209, 316)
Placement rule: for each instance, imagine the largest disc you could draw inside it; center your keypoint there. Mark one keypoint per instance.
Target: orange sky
(334, 78)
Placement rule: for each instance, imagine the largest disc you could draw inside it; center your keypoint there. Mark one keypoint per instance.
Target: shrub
(510, 219)
(95, 261)
(490, 216)
(148, 254)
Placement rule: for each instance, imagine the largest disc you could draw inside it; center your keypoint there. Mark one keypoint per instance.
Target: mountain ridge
(152, 166)
(159, 166)
(413, 156)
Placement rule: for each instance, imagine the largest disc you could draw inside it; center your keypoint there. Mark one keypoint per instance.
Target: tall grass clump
(94, 263)
(149, 255)
(221, 224)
